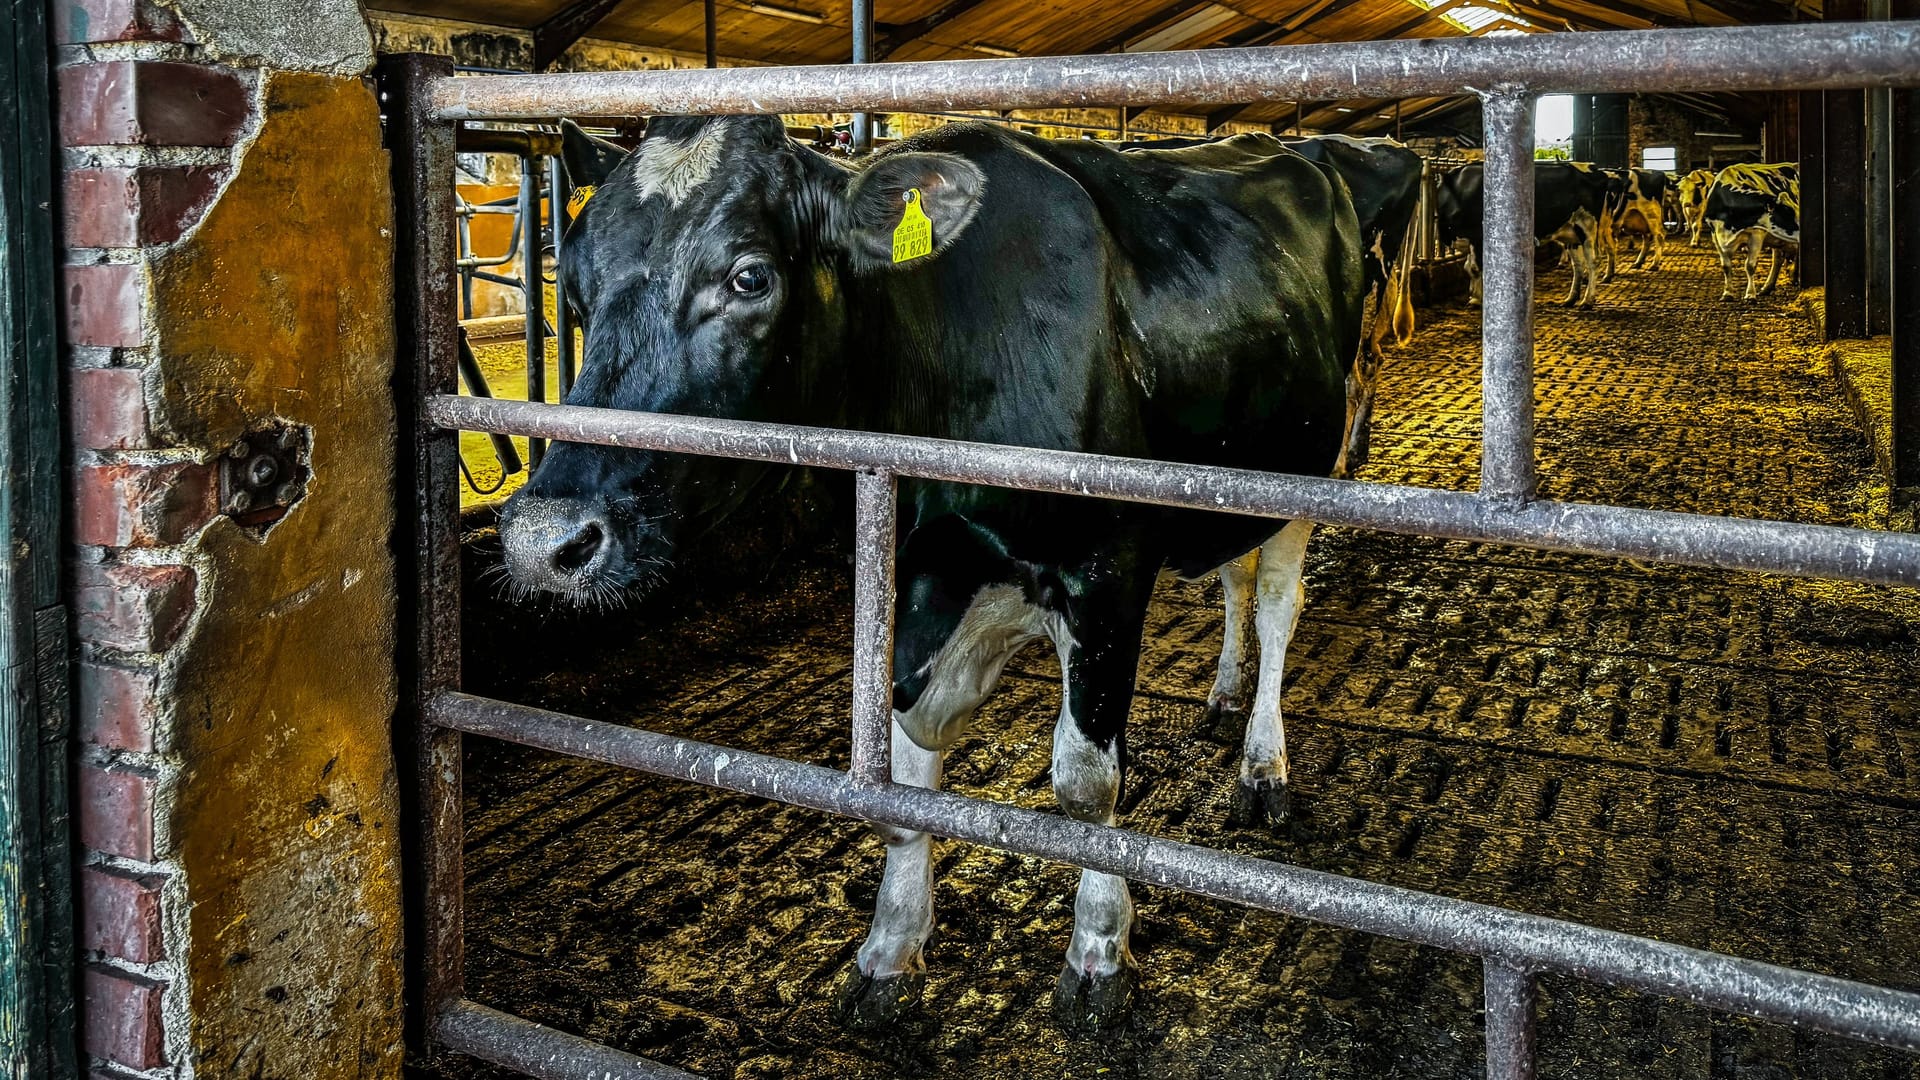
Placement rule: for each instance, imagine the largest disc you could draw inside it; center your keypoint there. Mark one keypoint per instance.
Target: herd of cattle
(1200, 303)
(1584, 209)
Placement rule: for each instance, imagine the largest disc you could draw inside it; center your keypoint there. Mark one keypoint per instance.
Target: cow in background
(1636, 205)
(1693, 202)
(1569, 206)
(1751, 207)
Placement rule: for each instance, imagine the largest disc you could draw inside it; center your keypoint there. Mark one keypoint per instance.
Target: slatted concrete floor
(1722, 760)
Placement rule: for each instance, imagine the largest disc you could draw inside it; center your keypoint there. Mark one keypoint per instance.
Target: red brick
(106, 304)
(115, 706)
(143, 505)
(109, 409)
(138, 608)
(120, 914)
(122, 1018)
(116, 208)
(150, 103)
(116, 811)
(80, 22)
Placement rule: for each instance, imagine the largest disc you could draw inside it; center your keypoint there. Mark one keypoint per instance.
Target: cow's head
(710, 271)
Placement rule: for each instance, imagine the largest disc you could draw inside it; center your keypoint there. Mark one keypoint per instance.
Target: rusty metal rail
(1508, 73)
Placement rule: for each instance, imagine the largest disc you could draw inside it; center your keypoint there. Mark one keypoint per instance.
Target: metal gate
(424, 105)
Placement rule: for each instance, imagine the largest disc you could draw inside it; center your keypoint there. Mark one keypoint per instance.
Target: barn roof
(819, 32)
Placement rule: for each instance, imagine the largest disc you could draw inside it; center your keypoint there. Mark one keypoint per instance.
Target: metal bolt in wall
(265, 472)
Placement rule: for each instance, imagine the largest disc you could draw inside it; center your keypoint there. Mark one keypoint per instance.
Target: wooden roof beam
(889, 38)
(1219, 117)
(1152, 22)
(552, 38)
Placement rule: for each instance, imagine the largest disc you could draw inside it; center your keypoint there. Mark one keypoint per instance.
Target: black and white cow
(1071, 296)
(1752, 207)
(1384, 178)
(1637, 204)
(1570, 201)
(1693, 202)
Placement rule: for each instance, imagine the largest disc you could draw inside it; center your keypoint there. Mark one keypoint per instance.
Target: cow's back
(1197, 305)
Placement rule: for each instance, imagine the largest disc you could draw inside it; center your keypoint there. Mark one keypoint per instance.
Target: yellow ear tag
(913, 237)
(579, 200)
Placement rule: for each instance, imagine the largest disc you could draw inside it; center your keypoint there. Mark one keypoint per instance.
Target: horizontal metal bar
(1816, 551)
(1800, 56)
(504, 1039)
(1515, 940)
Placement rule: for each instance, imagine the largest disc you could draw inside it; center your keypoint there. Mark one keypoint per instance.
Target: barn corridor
(1727, 761)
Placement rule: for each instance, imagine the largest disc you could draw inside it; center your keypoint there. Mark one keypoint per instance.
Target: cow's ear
(589, 160)
(907, 207)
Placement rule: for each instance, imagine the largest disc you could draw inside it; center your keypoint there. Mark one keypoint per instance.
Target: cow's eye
(751, 280)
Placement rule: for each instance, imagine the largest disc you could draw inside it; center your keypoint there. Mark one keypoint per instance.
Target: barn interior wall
(228, 230)
(1653, 121)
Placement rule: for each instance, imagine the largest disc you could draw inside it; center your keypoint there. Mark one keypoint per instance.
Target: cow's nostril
(579, 549)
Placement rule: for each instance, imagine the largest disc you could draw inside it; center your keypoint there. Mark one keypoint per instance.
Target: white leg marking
(1086, 782)
(1277, 611)
(963, 672)
(1237, 582)
(903, 914)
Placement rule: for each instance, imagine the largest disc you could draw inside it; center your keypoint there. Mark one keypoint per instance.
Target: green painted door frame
(36, 873)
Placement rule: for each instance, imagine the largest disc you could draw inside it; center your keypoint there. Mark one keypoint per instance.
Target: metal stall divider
(1509, 73)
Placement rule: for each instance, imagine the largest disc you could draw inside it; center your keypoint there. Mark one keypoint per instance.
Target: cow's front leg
(1228, 696)
(1263, 762)
(890, 971)
(1099, 654)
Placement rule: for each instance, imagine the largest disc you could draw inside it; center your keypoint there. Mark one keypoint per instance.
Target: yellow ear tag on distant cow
(579, 200)
(913, 237)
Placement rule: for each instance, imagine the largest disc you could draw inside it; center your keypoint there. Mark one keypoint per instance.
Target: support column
(1812, 264)
(1845, 197)
(1506, 381)
(1905, 286)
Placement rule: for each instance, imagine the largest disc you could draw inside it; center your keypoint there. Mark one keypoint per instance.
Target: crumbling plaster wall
(229, 234)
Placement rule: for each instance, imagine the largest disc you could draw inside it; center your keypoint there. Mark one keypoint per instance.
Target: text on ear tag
(578, 201)
(913, 237)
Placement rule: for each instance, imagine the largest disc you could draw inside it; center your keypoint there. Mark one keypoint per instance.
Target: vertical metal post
(1905, 288)
(1812, 263)
(1844, 196)
(559, 194)
(713, 40)
(873, 595)
(862, 54)
(428, 495)
(1506, 447)
(535, 293)
(1510, 997)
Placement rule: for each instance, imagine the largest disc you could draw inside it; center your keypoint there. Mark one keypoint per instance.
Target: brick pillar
(148, 143)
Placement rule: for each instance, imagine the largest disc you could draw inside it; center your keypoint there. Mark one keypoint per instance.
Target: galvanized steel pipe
(1516, 940)
(1801, 56)
(1816, 551)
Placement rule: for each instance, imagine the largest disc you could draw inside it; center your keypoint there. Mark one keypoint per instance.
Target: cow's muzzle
(565, 546)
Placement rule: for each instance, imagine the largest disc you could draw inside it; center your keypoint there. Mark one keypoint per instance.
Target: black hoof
(1094, 1003)
(1264, 802)
(1223, 724)
(870, 1002)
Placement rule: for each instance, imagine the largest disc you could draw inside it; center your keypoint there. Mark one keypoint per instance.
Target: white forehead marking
(672, 167)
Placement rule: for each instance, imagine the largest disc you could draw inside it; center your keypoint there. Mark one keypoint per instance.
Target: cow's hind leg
(1099, 655)
(1262, 791)
(1773, 272)
(890, 971)
(1227, 699)
(1753, 268)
